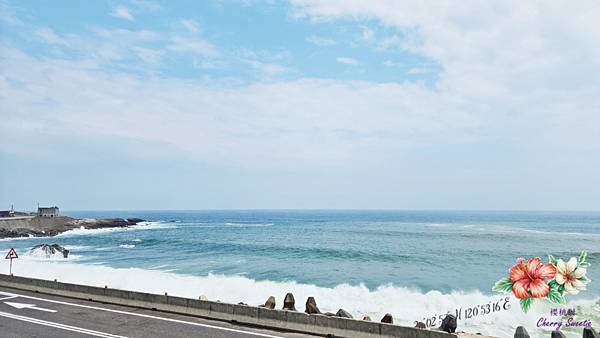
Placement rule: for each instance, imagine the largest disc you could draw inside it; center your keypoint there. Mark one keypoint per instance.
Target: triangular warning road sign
(11, 254)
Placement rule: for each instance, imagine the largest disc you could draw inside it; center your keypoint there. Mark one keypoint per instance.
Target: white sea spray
(406, 304)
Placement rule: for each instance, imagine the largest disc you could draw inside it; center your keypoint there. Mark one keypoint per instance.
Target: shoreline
(36, 226)
(404, 303)
(287, 319)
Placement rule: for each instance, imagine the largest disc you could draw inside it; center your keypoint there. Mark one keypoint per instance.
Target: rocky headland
(36, 226)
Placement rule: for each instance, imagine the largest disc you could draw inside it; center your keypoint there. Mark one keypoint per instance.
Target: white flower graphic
(569, 275)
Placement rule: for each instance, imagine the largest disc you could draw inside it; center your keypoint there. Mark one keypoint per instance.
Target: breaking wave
(249, 225)
(406, 304)
(139, 226)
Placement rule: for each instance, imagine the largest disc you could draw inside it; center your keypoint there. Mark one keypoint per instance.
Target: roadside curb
(249, 315)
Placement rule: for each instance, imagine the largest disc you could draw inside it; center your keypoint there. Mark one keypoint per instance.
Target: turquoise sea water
(430, 250)
(422, 250)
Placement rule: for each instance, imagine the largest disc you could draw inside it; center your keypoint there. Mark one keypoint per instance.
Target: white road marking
(143, 315)
(59, 326)
(28, 306)
(6, 298)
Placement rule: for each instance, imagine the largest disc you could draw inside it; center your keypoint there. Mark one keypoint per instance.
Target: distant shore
(25, 225)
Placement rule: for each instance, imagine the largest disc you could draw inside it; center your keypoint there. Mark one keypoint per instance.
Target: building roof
(47, 208)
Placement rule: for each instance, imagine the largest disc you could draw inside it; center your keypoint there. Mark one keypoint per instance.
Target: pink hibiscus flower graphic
(529, 279)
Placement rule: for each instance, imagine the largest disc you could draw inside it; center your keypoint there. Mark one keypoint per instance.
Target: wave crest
(406, 304)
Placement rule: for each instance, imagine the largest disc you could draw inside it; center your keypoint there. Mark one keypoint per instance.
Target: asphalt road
(28, 314)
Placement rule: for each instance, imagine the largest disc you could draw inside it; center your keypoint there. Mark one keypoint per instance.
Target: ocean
(416, 265)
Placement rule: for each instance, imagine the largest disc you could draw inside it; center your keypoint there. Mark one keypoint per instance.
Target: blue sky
(222, 40)
(299, 104)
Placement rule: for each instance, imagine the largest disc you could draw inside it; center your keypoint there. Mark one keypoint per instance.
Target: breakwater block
(270, 303)
(388, 319)
(289, 303)
(311, 306)
(589, 332)
(521, 333)
(448, 324)
(558, 334)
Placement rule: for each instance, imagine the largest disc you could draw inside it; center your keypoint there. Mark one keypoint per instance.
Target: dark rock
(343, 313)
(311, 306)
(367, 318)
(557, 334)
(448, 324)
(420, 325)
(270, 303)
(242, 303)
(387, 319)
(520, 332)
(108, 223)
(16, 233)
(589, 332)
(50, 226)
(4, 233)
(289, 303)
(50, 249)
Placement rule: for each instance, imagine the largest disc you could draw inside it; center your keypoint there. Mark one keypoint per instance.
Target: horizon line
(341, 209)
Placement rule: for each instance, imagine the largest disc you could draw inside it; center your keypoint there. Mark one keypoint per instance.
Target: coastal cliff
(28, 226)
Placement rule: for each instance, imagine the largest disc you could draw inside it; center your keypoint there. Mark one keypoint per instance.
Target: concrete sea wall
(244, 314)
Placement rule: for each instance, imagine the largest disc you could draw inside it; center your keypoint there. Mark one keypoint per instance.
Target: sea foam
(140, 226)
(406, 304)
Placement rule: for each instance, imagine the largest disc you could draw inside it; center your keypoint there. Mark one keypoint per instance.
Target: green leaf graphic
(582, 257)
(526, 304)
(554, 295)
(503, 285)
(552, 260)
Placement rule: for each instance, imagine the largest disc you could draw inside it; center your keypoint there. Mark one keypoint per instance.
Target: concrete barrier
(244, 314)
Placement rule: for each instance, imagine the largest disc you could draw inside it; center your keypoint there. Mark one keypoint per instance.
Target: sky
(300, 104)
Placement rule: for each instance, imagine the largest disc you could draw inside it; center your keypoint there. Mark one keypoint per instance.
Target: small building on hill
(48, 211)
(8, 213)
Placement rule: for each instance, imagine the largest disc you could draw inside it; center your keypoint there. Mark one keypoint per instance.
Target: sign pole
(11, 254)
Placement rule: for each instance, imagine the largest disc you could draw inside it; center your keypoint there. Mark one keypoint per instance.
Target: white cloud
(517, 65)
(149, 55)
(123, 13)
(506, 46)
(419, 71)
(269, 69)
(50, 37)
(512, 74)
(517, 80)
(146, 5)
(390, 63)
(320, 41)
(107, 45)
(367, 34)
(310, 121)
(347, 61)
(190, 25)
(192, 45)
(203, 64)
(389, 41)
